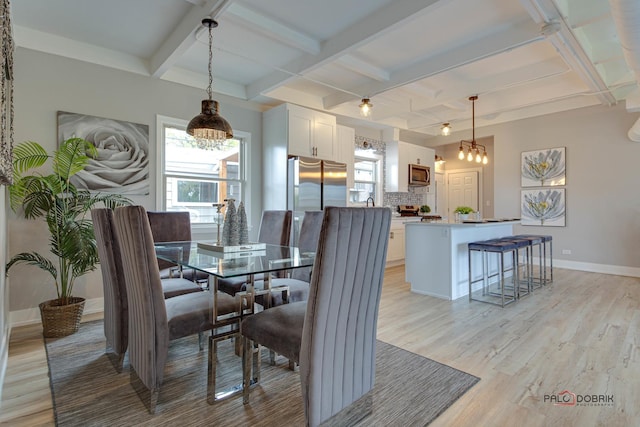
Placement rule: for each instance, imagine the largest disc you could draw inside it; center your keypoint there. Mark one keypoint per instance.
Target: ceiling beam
(491, 45)
(566, 44)
(273, 29)
(68, 48)
(365, 68)
(183, 36)
(381, 22)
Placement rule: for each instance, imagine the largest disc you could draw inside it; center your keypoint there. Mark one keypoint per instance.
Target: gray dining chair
(116, 315)
(154, 320)
(297, 284)
(333, 334)
(275, 229)
(173, 227)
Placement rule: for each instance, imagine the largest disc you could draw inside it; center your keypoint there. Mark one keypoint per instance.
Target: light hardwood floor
(581, 334)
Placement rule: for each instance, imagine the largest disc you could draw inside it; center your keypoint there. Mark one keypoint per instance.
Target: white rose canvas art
(122, 163)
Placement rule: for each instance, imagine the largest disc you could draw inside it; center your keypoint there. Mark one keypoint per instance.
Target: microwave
(419, 175)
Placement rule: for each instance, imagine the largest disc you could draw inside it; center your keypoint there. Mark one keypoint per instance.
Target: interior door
(462, 190)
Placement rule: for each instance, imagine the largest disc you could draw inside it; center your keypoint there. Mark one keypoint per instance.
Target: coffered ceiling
(418, 60)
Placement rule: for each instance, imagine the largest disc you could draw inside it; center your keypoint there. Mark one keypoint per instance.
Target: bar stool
(522, 279)
(500, 248)
(546, 240)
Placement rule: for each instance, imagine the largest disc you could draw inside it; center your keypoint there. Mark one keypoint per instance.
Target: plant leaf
(33, 258)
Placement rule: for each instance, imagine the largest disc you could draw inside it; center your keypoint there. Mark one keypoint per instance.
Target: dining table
(219, 262)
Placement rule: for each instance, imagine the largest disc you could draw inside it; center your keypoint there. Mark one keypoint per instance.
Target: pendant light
(209, 128)
(446, 129)
(365, 107)
(473, 147)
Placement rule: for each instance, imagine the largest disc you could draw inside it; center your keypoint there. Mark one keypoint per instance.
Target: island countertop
(479, 223)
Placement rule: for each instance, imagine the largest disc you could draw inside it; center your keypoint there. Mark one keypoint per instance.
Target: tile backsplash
(410, 198)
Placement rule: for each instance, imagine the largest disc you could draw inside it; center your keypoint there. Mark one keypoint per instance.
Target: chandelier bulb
(461, 153)
(446, 129)
(470, 155)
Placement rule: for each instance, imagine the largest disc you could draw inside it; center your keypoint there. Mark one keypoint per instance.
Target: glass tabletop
(232, 264)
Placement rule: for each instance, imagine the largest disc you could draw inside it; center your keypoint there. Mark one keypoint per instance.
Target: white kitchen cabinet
(399, 156)
(346, 152)
(292, 130)
(395, 250)
(310, 133)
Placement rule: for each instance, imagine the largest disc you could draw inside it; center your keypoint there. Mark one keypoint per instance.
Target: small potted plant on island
(424, 210)
(463, 212)
(64, 208)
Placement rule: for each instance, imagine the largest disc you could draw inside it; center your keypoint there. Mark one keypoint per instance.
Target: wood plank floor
(581, 334)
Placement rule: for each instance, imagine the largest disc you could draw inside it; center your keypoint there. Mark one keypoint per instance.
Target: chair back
(337, 355)
(115, 292)
(169, 227)
(275, 228)
(308, 241)
(148, 331)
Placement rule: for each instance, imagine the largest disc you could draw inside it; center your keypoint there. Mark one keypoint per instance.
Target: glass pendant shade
(365, 107)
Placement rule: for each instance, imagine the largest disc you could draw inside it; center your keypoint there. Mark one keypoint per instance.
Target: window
(367, 179)
(193, 178)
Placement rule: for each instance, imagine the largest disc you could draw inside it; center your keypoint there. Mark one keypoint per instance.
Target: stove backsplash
(410, 198)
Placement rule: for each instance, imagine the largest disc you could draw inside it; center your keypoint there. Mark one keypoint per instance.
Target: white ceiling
(418, 60)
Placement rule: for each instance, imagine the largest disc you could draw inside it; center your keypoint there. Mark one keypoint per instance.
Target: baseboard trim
(30, 316)
(616, 270)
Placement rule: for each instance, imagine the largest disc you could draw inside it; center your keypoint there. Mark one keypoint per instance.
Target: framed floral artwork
(543, 168)
(543, 206)
(122, 163)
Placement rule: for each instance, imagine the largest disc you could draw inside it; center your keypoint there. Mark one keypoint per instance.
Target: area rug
(87, 390)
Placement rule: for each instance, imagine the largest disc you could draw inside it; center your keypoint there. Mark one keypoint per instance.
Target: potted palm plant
(64, 208)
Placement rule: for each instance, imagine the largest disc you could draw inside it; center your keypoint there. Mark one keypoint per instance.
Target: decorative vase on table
(230, 232)
(243, 227)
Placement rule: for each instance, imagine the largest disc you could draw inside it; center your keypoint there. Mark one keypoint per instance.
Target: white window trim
(164, 121)
(369, 155)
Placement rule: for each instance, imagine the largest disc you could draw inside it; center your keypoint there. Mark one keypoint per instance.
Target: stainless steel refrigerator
(312, 185)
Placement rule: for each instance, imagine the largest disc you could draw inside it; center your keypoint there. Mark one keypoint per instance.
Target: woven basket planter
(60, 320)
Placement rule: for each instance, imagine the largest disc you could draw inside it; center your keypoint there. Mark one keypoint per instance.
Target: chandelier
(210, 129)
(473, 147)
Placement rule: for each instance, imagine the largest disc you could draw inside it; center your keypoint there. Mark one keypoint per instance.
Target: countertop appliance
(312, 185)
(408, 210)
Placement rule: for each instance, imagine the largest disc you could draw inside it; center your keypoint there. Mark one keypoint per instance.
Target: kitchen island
(436, 256)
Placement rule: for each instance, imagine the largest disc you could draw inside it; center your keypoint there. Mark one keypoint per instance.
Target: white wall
(46, 84)
(602, 196)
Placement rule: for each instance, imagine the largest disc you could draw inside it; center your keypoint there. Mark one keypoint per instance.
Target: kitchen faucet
(373, 203)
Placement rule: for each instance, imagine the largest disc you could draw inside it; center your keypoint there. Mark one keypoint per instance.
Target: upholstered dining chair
(298, 282)
(173, 227)
(116, 315)
(153, 320)
(333, 334)
(275, 229)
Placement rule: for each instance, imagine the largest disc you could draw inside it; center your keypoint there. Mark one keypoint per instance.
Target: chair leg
(201, 340)
(272, 357)
(143, 392)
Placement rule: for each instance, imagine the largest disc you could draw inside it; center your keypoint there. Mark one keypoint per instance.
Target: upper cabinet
(310, 133)
(290, 130)
(399, 156)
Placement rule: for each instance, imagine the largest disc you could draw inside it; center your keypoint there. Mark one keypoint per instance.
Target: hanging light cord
(209, 88)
